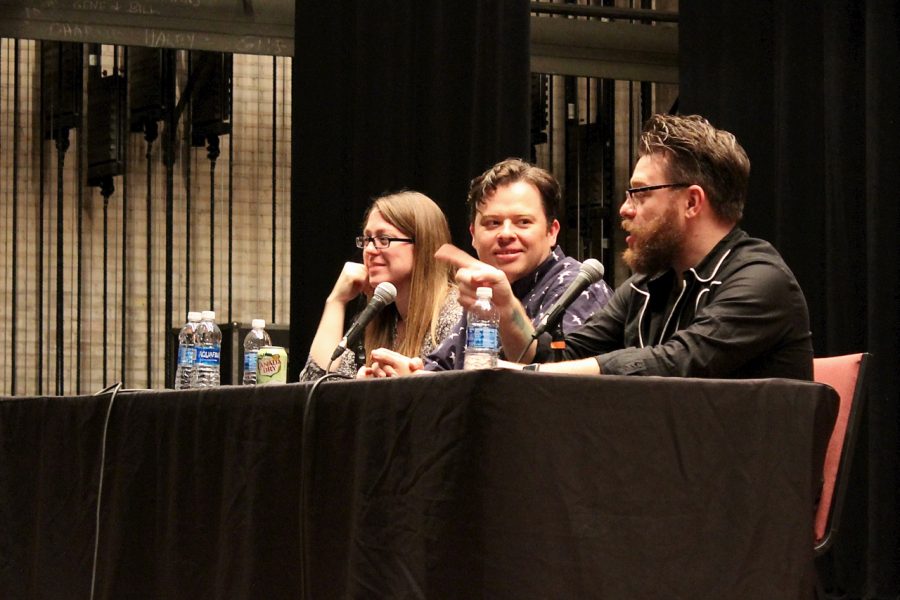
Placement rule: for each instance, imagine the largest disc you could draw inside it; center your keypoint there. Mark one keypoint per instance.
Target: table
(456, 485)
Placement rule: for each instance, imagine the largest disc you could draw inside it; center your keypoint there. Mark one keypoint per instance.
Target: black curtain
(811, 90)
(411, 94)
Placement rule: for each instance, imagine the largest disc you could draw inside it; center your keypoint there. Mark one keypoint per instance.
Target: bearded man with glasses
(705, 299)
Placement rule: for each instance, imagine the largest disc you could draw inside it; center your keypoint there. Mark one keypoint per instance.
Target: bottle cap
(209, 315)
(259, 323)
(484, 292)
(193, 316)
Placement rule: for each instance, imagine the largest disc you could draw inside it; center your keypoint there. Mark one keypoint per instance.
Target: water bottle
(482, 332)
(186, 352)
(208, 347)
(256, 339)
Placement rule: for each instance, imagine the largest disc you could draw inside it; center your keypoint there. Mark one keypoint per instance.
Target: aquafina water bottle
(209, 352)
(184, 373)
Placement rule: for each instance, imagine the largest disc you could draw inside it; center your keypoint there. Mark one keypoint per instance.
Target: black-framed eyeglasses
(381, 241)
(630, 192)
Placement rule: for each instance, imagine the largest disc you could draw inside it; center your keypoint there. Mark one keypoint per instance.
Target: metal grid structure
(115, 221)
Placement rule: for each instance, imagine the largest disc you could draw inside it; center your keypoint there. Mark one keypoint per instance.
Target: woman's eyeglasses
(381, 241)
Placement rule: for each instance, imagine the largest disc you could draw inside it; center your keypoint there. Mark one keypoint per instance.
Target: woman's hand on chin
(353, 281)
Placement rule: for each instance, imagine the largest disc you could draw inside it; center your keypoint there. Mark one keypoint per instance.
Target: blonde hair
(417, 216)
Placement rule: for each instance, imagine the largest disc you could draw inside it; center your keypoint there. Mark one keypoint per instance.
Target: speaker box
(105, 128)
(149, 80)
(62, 75)
(211, 97)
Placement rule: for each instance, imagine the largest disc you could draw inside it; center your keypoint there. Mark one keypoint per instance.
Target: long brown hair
(417, 216)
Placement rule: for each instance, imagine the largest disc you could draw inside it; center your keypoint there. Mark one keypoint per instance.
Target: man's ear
(472, 233)
(553, 231)
(697, 201)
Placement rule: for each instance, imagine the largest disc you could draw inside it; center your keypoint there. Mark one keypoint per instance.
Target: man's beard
(655, 245)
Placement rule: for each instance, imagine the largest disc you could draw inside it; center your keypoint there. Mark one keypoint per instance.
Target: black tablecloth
(457, 485)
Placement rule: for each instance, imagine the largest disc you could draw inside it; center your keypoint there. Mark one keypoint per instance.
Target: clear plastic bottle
(186, 352)
(256, 338)
(209, 352)
(482, 332)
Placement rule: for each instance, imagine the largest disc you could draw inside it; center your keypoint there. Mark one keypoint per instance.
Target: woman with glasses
(401, 234)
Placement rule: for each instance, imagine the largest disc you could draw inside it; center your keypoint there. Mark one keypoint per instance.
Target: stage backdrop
(414, 94)
(811, 91)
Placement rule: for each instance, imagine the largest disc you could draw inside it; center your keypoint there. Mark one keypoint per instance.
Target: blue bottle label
(250, 362)
(186, 356)
(482, 337)
(208, 356)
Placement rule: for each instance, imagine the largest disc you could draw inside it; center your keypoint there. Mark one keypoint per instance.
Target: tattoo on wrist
(519, 322)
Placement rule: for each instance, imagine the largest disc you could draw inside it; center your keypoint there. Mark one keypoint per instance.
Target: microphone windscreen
(386, 292)
(593, 268)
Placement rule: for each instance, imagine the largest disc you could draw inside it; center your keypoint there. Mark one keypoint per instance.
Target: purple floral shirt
(538, 293)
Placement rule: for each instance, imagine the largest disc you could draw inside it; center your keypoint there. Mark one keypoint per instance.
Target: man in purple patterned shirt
(512, 219)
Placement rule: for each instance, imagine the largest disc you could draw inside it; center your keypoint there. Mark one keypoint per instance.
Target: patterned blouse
(451, 312)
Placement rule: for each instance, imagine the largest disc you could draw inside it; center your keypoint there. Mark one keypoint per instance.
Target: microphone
(385, 293)
(591, 272)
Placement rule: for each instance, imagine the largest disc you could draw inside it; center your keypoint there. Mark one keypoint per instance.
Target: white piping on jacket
(641, 316)
(662, 334)
(674, 306)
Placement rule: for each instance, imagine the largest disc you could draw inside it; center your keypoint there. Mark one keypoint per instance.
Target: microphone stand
(360, 355)
(557, 340)
(525, 349)
(359, 352)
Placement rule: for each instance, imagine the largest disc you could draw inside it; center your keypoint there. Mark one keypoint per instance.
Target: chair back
(847, 375)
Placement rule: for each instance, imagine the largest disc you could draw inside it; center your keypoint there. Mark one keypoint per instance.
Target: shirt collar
(706, 268)
(524, 285)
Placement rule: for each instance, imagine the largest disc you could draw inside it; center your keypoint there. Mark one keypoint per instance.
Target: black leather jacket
(740, 314)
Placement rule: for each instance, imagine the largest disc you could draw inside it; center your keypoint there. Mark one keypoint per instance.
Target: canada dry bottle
(186, 352)
(256, 338)
(209, 346)
(482, 332)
